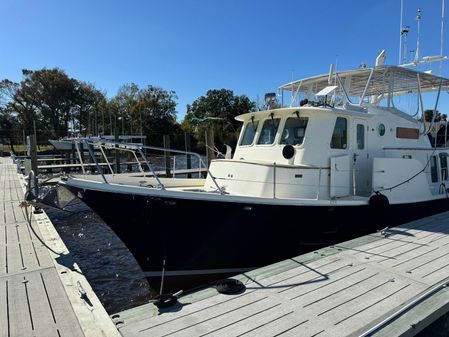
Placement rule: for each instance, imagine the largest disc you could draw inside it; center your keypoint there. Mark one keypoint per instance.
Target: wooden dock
(42, 290)
(392, 283)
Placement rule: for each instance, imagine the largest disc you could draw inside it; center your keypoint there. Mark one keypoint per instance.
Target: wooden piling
(33, 155)
(73, 155)
(210, 145)
(166, 139)
(188, 149)
(117, 154)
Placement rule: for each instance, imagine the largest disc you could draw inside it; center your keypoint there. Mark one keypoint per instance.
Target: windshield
(249, 133)
(294, 131)
(269, 129)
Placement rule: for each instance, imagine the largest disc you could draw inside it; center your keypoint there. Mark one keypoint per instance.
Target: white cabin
(346, 141)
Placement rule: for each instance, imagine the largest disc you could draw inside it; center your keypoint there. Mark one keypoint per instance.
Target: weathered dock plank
(39, 282)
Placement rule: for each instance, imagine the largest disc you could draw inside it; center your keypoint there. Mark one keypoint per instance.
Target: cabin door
(360, 173)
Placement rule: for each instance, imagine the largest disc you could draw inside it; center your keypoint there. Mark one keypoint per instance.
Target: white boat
(339, 161)
(65, 144)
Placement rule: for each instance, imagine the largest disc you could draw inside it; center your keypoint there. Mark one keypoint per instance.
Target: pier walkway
(392, 283)
(42, 291)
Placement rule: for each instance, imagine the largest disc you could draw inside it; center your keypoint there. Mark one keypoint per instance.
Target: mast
(400, 32)
(404, 34)
(441, 34)
(418, 18)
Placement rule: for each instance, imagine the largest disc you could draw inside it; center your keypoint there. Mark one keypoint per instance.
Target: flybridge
(355, 86)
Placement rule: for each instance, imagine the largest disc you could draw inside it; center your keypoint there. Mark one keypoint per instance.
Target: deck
(386, 284)
(42, 291)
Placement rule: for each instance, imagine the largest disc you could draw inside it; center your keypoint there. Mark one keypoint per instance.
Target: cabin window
(294, 131)
(407, 133)
(269, 129)
(250, 132)
(433, 169)
(360, 136)
(381, 129)
(443, 165)
(340, 134)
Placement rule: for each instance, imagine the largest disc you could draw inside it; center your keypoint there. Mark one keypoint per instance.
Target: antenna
(400, 32)
(418, 18)
(404, 34)
(441, 42)
(380, 59)
(331, 73)
(442, 28)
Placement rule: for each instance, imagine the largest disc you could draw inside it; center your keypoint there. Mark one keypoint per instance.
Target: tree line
(56, 105)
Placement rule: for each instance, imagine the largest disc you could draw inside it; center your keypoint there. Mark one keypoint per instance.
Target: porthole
(381, 129)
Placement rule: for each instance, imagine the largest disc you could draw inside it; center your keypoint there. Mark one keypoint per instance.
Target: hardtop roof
(402, 81)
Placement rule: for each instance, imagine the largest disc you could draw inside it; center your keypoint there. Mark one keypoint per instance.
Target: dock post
(166, 139)
(72, 153)
(33, 155)
(188, 156)
(210, 145)
(117, 155)
(81, 148)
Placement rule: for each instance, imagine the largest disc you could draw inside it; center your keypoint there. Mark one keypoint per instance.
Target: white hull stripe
(194, 272)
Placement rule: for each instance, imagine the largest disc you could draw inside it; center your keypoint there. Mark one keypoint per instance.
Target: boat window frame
(275, 135)
(381, 129)
(434, 177)
(346, 134)
(283, 128)
(245, 127)
(360, 141)
(444, 173)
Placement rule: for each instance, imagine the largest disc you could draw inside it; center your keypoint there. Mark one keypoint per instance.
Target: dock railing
(142, 157)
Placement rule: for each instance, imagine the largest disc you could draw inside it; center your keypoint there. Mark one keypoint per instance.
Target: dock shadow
(66, 260)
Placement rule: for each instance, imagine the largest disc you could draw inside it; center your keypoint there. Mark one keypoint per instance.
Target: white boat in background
(65, 144)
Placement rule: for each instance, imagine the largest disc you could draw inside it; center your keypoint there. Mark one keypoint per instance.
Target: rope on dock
(25, 204)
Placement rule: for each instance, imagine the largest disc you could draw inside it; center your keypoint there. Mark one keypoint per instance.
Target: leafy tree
(88, 110)
(150, 111)
(19, 103)
(53, 101)
(51, 94)
(10, 131)
(158, 107)
(124, 106)
(217, 110)
(428, 114)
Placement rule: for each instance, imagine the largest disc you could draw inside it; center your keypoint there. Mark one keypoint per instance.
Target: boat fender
(230, 286)
(288, 151)
(379, 201)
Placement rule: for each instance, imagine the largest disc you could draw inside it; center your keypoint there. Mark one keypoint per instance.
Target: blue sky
(188, 46)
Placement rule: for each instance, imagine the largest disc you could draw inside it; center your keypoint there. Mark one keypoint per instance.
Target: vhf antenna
(404, 34)
(400, 32)
(418, 18)
(441, 42)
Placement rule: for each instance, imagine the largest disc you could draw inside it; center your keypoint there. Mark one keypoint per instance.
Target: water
(107, 264)
(110, 268)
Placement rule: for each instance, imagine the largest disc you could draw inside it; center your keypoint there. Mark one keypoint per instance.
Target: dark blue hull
(200, 238)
